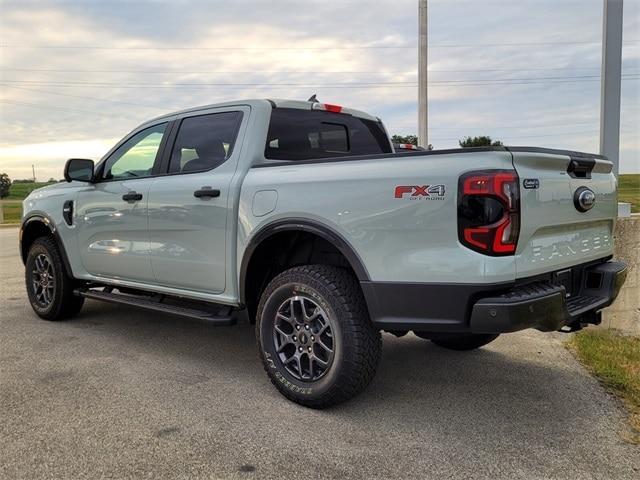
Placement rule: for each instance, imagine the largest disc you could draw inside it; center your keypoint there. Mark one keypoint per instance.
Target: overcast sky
(77, 75)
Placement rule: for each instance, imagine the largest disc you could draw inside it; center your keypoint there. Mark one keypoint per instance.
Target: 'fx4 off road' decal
(420, 192)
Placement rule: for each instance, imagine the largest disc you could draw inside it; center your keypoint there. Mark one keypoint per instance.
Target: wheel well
(30, 233)
(37, 227)
(282, 251)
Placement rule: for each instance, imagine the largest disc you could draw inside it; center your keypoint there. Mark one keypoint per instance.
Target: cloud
(547, 94)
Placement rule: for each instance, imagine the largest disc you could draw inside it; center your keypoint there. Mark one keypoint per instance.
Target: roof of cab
(282, 103)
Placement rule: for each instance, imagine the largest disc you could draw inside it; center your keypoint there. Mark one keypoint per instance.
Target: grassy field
(12, 204)
(12, 211)
(629, 191)
(19, 191)
(615, 360)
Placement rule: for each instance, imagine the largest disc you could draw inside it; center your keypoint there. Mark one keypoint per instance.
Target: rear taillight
(489, 211)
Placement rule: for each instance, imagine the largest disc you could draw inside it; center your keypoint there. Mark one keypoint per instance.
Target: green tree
(411, 139)
(482, 141)
(5, 184)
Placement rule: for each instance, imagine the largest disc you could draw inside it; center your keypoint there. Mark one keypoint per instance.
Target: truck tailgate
(554, 233)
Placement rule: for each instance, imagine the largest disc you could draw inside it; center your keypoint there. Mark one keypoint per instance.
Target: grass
(19, 191)
(629, 190)
(12, 211)
(12, 204)
(615, 360)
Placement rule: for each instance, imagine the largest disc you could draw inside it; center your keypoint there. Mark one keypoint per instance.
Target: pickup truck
(302, 214)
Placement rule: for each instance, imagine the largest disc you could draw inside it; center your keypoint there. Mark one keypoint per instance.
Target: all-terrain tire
(60, 303)
(357, 344)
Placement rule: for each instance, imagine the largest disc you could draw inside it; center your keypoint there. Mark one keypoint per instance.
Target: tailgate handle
(581, 167)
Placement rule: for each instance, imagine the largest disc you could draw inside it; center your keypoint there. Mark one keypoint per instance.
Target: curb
(9, 225)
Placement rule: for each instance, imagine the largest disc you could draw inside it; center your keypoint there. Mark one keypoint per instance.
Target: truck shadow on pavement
(517, 379)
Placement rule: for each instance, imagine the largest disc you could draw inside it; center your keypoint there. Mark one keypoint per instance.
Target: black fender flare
(301, 225)
(48, 222)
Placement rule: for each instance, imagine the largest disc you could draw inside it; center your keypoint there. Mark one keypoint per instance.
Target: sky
(77, 75)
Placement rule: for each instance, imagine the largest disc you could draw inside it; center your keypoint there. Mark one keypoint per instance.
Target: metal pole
(610, 82)
(33, 170)
(423, 118)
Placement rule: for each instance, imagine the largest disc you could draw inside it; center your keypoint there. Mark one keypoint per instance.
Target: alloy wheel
(43, 280)
(303, 337)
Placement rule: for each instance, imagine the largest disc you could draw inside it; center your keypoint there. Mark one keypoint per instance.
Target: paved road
(122, 393)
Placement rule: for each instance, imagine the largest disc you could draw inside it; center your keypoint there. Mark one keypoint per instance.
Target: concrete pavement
(121, 393)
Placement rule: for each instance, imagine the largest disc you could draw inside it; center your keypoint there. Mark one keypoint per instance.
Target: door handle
(207, 192)
(132, 197)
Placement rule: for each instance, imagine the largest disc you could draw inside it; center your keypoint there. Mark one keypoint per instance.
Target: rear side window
(296, 134)
(204, 142)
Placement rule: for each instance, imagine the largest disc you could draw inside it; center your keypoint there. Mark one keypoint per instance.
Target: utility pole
(423, 115)
(610, 82)
(33, 170)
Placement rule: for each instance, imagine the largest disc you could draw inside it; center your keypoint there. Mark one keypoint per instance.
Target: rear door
(189, 206)
(557, 231)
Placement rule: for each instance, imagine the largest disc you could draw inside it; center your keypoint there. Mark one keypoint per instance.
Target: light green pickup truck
(303, 214)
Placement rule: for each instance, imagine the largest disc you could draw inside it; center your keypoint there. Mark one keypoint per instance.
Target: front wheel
(315, 338)
(49, 288)
(465, 341)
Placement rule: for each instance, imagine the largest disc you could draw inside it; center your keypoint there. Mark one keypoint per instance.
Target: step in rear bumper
(494, 308)
(545, 307)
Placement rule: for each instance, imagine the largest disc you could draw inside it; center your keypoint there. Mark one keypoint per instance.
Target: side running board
(157, 303)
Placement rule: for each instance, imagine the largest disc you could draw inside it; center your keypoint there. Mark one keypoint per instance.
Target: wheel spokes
(297, 350)
(43, 280)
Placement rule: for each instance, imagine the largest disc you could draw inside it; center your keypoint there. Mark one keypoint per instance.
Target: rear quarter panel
(408, 239)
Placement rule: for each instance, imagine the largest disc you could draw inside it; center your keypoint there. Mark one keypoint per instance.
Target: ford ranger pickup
(302, 214)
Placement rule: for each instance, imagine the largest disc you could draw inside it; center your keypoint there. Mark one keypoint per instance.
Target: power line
(316, 72)
(462, 82)
(262, 48)
(83, 97)
(49, 107)
(583, 132)
(461, 127)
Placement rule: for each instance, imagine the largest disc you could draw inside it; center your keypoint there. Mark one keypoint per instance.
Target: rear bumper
(498, 308)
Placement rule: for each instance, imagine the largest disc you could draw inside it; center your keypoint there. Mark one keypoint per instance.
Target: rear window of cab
(296, 134)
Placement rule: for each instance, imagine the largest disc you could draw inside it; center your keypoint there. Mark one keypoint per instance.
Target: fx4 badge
(420, 192)
(531, 183)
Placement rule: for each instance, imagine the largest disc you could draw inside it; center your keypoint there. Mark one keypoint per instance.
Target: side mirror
(79, 169)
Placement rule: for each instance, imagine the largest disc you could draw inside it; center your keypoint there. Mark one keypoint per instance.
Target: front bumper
(542, 303)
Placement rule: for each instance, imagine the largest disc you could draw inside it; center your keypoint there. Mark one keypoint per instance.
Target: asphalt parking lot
(122, 393)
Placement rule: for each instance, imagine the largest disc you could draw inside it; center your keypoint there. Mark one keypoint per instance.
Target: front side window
(135, 157)
(296, 134)
(204, 142)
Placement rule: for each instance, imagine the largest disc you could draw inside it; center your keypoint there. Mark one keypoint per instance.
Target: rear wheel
(315, 338)
(465, 341)
(49, 288)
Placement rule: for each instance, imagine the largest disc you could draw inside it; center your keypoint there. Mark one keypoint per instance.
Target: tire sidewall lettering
(272, 361)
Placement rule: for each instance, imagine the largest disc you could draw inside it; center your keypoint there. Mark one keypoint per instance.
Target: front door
(189, 207)
(111, 214)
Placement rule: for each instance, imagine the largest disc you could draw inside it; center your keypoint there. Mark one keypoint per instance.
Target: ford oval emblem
(584, 199)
